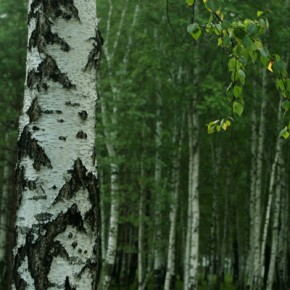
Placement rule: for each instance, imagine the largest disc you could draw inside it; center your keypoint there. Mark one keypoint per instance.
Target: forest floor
(203, 285)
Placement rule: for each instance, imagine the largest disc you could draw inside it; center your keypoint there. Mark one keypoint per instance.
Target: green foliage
(242, 40)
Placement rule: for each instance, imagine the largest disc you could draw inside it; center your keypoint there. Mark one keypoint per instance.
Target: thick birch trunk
(58, 218)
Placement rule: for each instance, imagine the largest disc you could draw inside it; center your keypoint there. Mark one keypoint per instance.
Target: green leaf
(259, 13)
(238, 107)
(232, 64)
(213, 5)
(284, 133)
(189, 2)
(226, 41)
(264, 52)
(279, 67)
(237, 91)
(252, 28)
(280, 85)
(194, 30)
(286, 105)
(247, 42)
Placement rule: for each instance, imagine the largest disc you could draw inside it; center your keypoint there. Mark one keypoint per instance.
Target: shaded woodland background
(147, 77)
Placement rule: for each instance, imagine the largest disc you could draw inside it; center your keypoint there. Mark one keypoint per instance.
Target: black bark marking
(82, 135)
(60, 120)
(42, 250)
(67, 285)
(35, 128)
(47, 70)
(70, 104)
(81, 178)
(62, 138)
(27, 146)
(41, 36)
(34, 111)
(54, 9)
(22, 183)
(83, 114)
(40, 197)
(20, 284)
(48, 112)
(95, 54)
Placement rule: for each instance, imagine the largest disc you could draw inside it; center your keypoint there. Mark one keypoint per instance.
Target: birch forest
(144, 145)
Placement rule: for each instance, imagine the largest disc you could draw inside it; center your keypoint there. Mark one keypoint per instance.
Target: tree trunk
(258, 191)
(275, 229)
(58, 217)
(273, 178)
(170, 272)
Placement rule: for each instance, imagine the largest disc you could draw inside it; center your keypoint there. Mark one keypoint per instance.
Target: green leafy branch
(243, 41)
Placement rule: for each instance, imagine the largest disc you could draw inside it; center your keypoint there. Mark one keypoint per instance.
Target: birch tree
(57, 224)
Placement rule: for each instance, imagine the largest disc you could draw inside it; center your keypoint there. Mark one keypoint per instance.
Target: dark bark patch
(42, 35)
(47, 70)
(54, 9)
(60, 120)
(95, 54)
(42, 250)
(82, 135)
(70, 104)
(81, 178)
(34, 111)
(67, 285)
(27, 146)
(83, 114)
(62, 138)
(20, 284)
(35, 128)
(40, 197)
(48, 112)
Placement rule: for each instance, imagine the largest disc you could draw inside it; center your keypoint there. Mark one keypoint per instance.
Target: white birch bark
(275, 164)
(170, 271)
(258, 190)
(57, 221)
(275, 231)
(157, 268)
(193, 187)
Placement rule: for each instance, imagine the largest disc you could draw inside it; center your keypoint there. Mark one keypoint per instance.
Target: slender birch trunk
(57, 221)
(258, 191)
(158, 259)
(275, 164)
(193, 191)
(250, 258)
(170, 272)
(141, 232)
(282, 273)
(275, 229)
